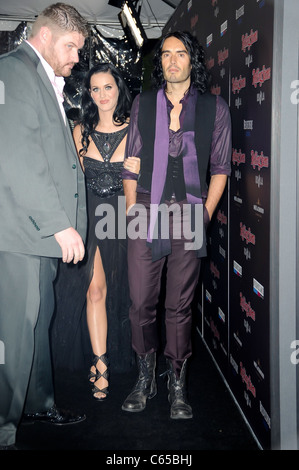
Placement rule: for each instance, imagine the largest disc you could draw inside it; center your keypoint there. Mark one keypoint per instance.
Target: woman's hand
(132, 164)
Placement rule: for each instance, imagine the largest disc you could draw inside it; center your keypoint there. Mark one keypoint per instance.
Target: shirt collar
(56, 81)
(189, 92)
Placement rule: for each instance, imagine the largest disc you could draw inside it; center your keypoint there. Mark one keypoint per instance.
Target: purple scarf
(161, 247)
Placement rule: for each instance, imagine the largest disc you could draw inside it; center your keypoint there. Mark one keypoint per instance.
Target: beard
(64, 70)
(177, 77)
(60, 69)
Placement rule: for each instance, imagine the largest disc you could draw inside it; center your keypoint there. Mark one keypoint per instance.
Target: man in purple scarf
(178, 131)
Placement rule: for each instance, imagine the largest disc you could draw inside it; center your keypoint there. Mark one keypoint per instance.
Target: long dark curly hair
(200, 77)
(89, 115)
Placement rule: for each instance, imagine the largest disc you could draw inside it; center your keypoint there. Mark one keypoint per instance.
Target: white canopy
(154, 14)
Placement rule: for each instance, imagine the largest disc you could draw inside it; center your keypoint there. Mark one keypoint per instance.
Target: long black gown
(71, 348)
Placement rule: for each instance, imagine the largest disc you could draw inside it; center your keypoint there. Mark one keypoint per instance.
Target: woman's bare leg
(97, 318)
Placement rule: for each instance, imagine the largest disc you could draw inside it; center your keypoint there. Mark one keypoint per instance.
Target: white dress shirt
(57, 82)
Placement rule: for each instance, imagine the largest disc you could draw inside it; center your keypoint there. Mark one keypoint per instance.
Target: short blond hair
(61, 18)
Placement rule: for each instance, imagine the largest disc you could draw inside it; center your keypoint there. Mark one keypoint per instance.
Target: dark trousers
(26, 309)
(183, 268)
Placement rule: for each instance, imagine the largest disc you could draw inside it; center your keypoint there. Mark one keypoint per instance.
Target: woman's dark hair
(89, 110)
(200, 77)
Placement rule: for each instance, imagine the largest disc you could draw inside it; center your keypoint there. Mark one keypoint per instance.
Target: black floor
(217, 423)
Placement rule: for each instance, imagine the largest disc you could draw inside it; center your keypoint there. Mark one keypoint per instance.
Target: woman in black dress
(100, 140)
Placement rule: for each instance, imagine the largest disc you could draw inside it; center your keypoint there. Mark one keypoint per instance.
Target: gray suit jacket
(42, 188)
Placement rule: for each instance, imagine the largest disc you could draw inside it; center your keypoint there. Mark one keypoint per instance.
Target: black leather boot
(145, 387)
(179, 406)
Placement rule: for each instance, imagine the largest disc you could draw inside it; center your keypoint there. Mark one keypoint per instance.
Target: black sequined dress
(105, 203)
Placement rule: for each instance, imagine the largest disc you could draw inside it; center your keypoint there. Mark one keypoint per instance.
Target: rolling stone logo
(247, 380)
(260, 76)
(238, 157)
(221, 217)
(210, 63)
(246, 234)
(222, 56)
(238, 84)
(214, 329)
(246, 307)
(248, 40)
(259, 161)
(214, 270)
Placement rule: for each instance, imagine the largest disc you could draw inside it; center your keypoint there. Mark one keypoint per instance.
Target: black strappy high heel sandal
(95, 376)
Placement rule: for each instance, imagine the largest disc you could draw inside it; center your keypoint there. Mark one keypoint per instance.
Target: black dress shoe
(10, 447)
(53, 416)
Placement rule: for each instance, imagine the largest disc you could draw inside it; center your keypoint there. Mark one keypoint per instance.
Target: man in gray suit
(42, 211)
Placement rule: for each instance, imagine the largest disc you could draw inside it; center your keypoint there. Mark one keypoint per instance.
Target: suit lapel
(27, 50)
(64, 124)
(44, 77)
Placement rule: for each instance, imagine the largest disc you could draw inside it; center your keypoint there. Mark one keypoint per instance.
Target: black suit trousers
(26, 309)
